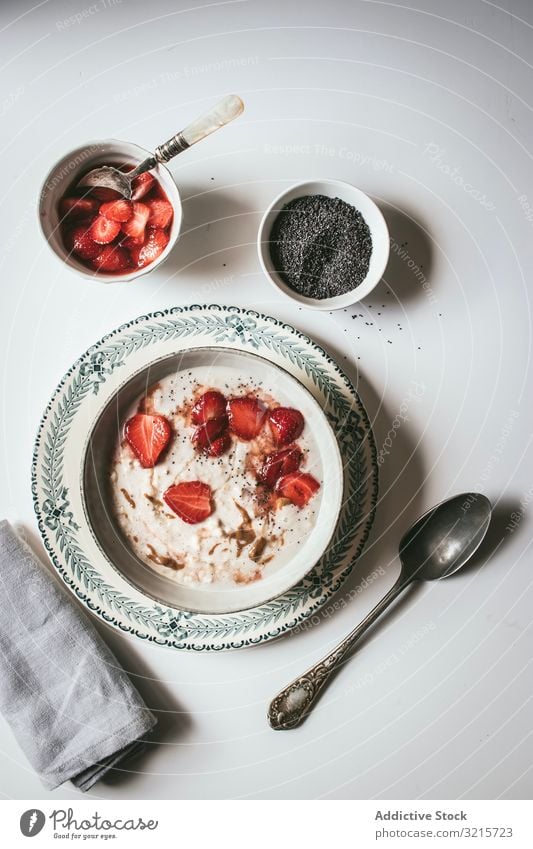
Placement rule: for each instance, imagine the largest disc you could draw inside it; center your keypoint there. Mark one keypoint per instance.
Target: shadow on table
(173, 722)
(216, 223)
(408, 272)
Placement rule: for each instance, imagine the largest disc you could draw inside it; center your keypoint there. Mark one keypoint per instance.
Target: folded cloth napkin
(72, 708)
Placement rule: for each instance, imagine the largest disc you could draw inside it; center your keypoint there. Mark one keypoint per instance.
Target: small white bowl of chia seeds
(323, 243)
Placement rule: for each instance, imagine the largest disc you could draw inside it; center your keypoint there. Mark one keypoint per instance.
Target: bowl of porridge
(212, 480)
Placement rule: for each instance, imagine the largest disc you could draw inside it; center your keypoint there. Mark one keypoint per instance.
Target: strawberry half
(161, 213)
(148, 436)
(152, 247)
(103, 230)
(78, 207)
(298, 487)
(79, 241)
(206, 434)
(111, 258)
(278, 464)
(117, 210)
(135, 225)
(142, 185)
(190, 500)
(286, 425)
(246, 416)
(210, 405)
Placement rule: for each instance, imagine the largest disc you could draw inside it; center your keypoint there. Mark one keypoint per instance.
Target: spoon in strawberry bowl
(438, 544)
(218, 116)
(119, 226)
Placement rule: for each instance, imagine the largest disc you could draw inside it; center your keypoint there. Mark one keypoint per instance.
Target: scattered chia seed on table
(320, 246)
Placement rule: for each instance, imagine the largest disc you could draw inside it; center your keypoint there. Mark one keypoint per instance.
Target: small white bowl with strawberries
(95, 230)
(113, 225)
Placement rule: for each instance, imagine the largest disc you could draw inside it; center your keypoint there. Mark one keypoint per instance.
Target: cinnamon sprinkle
(239, 578)
(257, 547)
(164, 560)
(128, 497)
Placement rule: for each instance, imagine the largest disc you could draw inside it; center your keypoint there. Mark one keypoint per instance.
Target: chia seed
(320, 246)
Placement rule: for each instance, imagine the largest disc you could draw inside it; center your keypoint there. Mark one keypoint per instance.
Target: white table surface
(427, 107)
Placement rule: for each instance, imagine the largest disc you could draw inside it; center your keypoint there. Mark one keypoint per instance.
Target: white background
(427, 107)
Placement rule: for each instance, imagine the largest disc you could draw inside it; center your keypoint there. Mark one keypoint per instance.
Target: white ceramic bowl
(69, 169)
(292, 563)
(372, 216)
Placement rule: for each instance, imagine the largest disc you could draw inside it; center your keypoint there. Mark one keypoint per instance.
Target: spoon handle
(226, 110)
(295, 701)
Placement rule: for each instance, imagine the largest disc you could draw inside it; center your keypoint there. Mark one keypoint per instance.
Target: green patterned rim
(85, 390)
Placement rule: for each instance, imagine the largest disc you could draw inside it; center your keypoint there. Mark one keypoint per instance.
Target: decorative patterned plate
(59, 452)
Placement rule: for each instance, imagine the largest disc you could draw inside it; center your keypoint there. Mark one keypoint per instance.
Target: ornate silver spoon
(111, 178)
(437, 545)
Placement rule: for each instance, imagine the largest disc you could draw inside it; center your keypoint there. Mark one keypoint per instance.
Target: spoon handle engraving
(294, 702)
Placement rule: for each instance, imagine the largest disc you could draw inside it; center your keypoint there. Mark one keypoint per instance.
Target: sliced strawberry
(220, 445)
(117, 210)
(152, 247)
(246, 416)
(111, 258)
(142, 185)
(278, 464)
(79, 241)
(190, 500)
(135, 225)
(205, 435)
(103, 230)
(286, 425)
(78, 207)
(148, 436)
(161, 213)
(129, 242)
(210, 405)
(298, 487)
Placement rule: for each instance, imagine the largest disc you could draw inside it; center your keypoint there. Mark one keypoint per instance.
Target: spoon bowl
(443, 539)
(108, 177)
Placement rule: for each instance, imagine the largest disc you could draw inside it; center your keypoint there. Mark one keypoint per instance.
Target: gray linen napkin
(72, 708)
